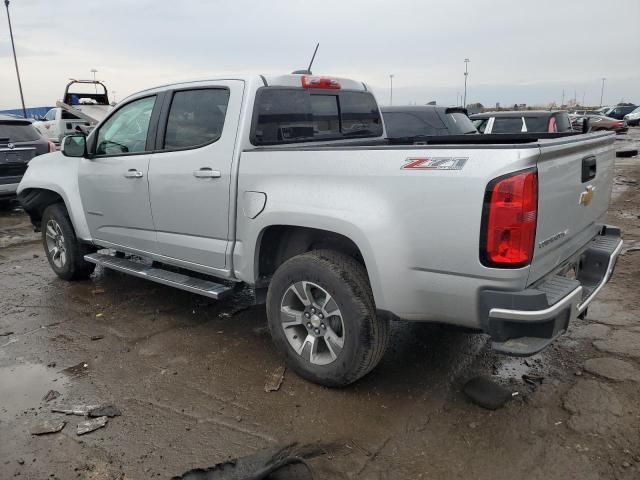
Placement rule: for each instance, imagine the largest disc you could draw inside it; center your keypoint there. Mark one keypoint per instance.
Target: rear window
(18, 132)
(288, 115)
(402, 124)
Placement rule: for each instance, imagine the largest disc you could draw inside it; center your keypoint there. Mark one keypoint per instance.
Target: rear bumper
(523, 323)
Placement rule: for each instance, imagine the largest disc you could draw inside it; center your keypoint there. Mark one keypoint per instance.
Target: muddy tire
(322, 318)
(63, 250)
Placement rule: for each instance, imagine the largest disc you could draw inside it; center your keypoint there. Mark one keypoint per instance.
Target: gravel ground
(189, 376)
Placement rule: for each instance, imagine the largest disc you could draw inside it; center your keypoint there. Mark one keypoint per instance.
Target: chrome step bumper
(166, 277)
(523, 323)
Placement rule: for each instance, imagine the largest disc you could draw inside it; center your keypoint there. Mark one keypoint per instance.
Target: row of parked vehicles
(339, 216)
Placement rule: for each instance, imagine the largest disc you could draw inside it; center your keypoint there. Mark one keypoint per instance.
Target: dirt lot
(189, 376)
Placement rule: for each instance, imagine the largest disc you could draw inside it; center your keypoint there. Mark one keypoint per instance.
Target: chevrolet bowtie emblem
(586, 196)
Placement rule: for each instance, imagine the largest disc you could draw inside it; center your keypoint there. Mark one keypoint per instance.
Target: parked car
(19, 143)
(619, 111)
(633, 118)
(414, 122)
(287, 184)
(599, 122)
(536, 121)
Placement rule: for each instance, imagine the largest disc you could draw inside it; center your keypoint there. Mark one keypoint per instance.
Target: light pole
(15, 59)
(391, 90)
(602, 90)
(466, 74)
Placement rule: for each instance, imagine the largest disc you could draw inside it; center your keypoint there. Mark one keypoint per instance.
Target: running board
(166, 277)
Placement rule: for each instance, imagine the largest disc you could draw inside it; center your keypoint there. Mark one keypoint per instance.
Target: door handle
(206, 172)
(133, 173)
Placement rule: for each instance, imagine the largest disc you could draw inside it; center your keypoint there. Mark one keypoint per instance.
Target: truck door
(190, 172)
(113, 183)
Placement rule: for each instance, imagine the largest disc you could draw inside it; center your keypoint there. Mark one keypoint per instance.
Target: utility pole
(15, 59)
(602, 90)
(466, 74)
(391, 90)
(562, 103)
(582, 104)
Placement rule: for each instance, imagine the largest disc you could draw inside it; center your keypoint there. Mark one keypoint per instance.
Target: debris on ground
(81, 410)
(98, 291)
(288, 463)
(5, 334)
(51, 364)
(627, 152)
(105, 411)
(275, 380)
(77, 370)
(96, 337)
(486, 393)
(532, 379)
(91, 425)
(51, 395)
(48, 426)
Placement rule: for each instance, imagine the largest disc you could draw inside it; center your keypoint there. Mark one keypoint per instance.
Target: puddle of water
(23, 386)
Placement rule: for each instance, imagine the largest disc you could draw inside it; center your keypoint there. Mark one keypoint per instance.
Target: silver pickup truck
(288, 184)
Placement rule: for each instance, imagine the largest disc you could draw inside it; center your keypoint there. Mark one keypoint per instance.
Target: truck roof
(287, 80)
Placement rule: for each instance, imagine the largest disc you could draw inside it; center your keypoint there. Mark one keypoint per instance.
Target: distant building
(497, 105)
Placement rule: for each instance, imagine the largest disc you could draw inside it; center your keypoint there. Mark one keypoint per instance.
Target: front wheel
(322, 318)
(64, 252)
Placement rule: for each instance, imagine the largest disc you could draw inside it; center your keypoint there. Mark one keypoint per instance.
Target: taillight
(52, 146)
(509, 220)
(320, 82)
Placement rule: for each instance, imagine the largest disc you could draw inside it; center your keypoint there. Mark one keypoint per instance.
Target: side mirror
(74, 146)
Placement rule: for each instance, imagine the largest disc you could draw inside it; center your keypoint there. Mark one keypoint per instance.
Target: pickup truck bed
(337, 229)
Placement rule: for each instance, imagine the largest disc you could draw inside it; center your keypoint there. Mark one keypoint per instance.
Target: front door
(190, 175)
(114, 183)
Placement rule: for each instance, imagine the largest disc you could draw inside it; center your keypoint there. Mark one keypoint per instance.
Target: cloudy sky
(525, 52)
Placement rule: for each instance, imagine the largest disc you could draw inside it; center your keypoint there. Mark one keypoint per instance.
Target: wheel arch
(35, 200)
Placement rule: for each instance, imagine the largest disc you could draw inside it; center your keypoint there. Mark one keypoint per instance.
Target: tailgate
(575, 177)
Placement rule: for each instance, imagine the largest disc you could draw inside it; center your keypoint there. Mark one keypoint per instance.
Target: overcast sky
(525, 52)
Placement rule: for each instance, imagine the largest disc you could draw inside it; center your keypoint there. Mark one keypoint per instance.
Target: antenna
(308, 70)
(313, 57)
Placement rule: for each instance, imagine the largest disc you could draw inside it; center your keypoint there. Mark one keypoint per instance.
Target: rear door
(190, 173)
(575, 177)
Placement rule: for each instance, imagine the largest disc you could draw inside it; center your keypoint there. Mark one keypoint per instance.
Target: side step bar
(166, 277)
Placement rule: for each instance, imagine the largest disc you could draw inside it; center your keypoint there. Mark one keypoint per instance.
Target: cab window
(196, 117)
(126, 130)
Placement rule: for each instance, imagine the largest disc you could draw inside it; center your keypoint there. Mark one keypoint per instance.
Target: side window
(196, 117)
(51, 115)
(401, 124)
(126, 130)
(481, 124)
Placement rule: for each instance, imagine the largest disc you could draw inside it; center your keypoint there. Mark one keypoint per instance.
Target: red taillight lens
(509, 220)
(52, 146)
(320, 82)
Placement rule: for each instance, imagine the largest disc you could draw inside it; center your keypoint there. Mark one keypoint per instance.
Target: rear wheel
(64, 252)
(322, 317)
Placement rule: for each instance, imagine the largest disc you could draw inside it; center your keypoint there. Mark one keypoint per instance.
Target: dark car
(19, 143)
(413, 122)
(598, 122)
(534, 121)
(619, 111)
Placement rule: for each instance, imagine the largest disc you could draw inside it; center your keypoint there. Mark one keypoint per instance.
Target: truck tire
(63, 250)
(322, 318)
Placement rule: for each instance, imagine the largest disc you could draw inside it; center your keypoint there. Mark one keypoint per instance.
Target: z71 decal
(435, 163)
